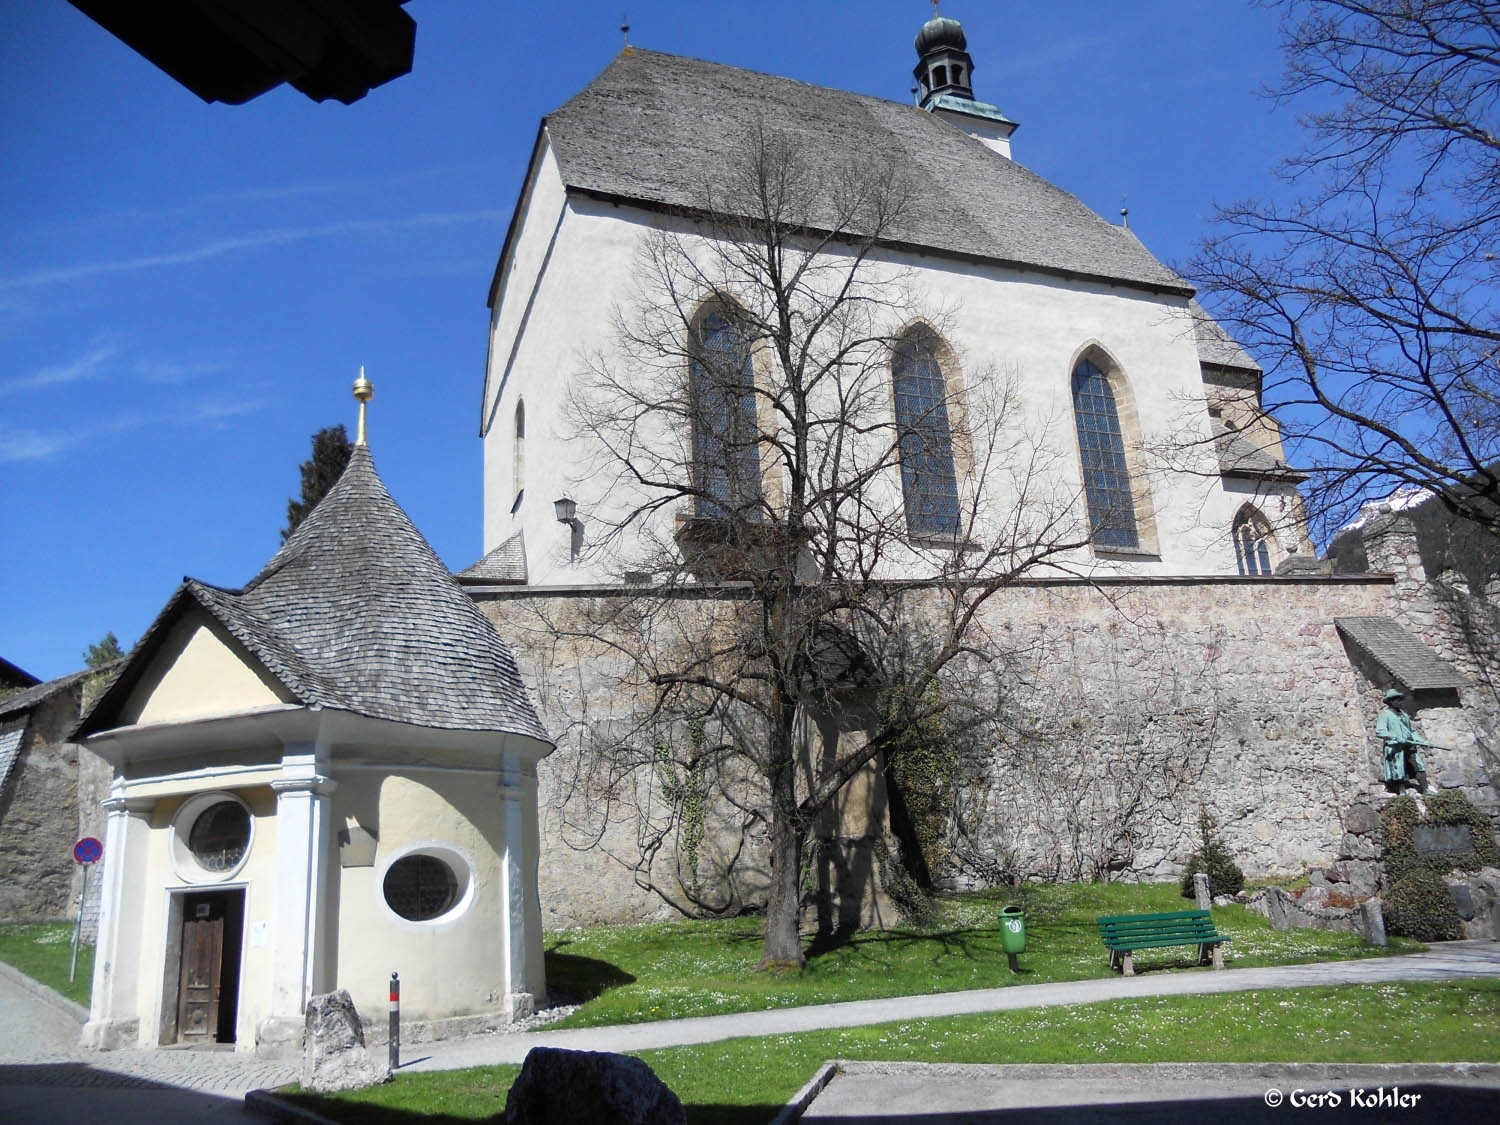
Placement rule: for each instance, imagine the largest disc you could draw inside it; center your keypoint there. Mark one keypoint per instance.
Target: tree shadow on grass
(584, 978)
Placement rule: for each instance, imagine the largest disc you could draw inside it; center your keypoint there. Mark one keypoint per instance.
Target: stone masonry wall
(1135, 703)
(38, 822)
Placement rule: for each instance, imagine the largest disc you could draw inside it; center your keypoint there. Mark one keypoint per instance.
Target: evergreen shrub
(1421, 906)
(1212, 858)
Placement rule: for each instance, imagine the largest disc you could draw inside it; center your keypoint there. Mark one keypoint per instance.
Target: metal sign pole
(78, 925)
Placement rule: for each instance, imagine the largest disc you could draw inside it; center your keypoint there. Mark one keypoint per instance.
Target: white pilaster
(114, 1004)
(520, 907)
(302, 851)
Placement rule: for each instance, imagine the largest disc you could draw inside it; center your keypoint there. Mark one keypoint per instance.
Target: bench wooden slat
(1124, 933)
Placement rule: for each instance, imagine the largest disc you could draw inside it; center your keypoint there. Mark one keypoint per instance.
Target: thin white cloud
(88, 366)
(212, 201)
(39, 445)
(280, 236)
(31, 445)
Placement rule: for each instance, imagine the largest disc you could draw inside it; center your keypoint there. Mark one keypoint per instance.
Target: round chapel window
(220, 835)
(420, 887)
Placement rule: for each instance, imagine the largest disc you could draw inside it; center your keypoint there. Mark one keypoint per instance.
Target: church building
(1181, 650)
(1013, 279)
(319, 779)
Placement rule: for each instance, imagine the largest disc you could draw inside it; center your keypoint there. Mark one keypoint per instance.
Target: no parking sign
(88, 850)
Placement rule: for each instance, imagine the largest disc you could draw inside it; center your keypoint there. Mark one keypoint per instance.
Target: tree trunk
(783, 948)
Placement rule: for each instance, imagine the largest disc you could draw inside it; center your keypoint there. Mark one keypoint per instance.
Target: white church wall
(1001, 323)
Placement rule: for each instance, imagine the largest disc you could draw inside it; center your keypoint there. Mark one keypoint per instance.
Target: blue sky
(188, 290)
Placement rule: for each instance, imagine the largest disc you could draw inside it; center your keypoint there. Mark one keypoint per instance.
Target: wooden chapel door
(201, 968)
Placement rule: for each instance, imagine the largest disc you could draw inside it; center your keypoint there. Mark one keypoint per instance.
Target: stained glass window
(726, 465)
(925, 441)
(1106, 480)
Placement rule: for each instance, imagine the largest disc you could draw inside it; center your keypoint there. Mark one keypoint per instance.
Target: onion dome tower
(943, 63)
(945, 87)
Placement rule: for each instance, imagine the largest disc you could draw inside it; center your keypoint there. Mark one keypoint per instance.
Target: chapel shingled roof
(357, 612)
(655, 128)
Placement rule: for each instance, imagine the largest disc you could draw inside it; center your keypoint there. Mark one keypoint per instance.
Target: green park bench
(1123, 934)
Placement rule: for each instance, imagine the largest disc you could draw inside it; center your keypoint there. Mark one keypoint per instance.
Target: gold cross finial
(364, 391)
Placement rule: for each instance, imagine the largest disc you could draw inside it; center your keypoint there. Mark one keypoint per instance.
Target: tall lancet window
(518, 453)
(1106, 479)
(925, 439)
(726, 465)
(1251, 538)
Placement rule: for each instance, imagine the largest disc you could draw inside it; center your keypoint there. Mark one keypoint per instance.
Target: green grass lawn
(42, 951)
(745, 1081)
(671, 970)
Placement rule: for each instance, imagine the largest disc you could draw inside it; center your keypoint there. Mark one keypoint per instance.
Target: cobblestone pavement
(46, 1078)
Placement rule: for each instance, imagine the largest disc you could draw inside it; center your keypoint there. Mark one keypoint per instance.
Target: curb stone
(46, 995)
(794, 1109)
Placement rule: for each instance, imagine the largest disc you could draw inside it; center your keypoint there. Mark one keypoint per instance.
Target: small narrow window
(1106, 479)
(925, 440)
(1251, 536)
(518, 455)
(939, 76)
(726, 464)
(958, 76)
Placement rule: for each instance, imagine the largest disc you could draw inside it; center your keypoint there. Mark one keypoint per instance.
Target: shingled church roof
(356, 612)
(656, 128)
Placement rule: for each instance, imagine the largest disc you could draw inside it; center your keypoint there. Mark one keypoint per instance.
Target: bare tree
(1371, 294)
(780, 426)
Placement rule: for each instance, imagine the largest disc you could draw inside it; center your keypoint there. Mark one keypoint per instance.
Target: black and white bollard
(395, 1042)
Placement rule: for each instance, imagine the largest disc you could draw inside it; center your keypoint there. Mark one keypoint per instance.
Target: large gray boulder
(334, 1056)
(558, 1087)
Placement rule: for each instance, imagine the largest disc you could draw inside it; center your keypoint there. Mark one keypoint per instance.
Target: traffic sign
(88, 850)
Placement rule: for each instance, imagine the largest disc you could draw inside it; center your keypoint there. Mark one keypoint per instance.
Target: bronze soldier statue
(1403, 764)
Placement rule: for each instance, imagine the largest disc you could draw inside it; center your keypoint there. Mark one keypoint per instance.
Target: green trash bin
(1012, 929)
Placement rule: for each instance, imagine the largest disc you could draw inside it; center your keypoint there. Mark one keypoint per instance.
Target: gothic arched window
(924, 438)
(1251, 542)
(726, 465)
(1106, 478)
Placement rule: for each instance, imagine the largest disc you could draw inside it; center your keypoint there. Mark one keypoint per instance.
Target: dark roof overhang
(235, 50)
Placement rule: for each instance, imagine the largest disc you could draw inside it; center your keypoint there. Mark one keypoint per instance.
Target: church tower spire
(945, 85)
(943, 63)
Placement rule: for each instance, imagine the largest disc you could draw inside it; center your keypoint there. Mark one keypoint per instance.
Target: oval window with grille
(420, 887)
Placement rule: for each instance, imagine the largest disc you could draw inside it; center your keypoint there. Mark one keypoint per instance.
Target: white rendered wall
(1002, 323)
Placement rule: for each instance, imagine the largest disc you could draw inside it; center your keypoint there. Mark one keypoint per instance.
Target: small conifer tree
(330, 455)
(105, 652)
(1214, 860)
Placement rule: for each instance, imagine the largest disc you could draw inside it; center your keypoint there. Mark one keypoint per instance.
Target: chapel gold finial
(364, 391)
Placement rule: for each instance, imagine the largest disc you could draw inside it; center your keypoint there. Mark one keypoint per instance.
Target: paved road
(1450, 961)
(45, 1078)
(1238, 1094)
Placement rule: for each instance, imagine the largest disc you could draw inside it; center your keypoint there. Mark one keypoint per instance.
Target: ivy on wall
(1418, 903)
